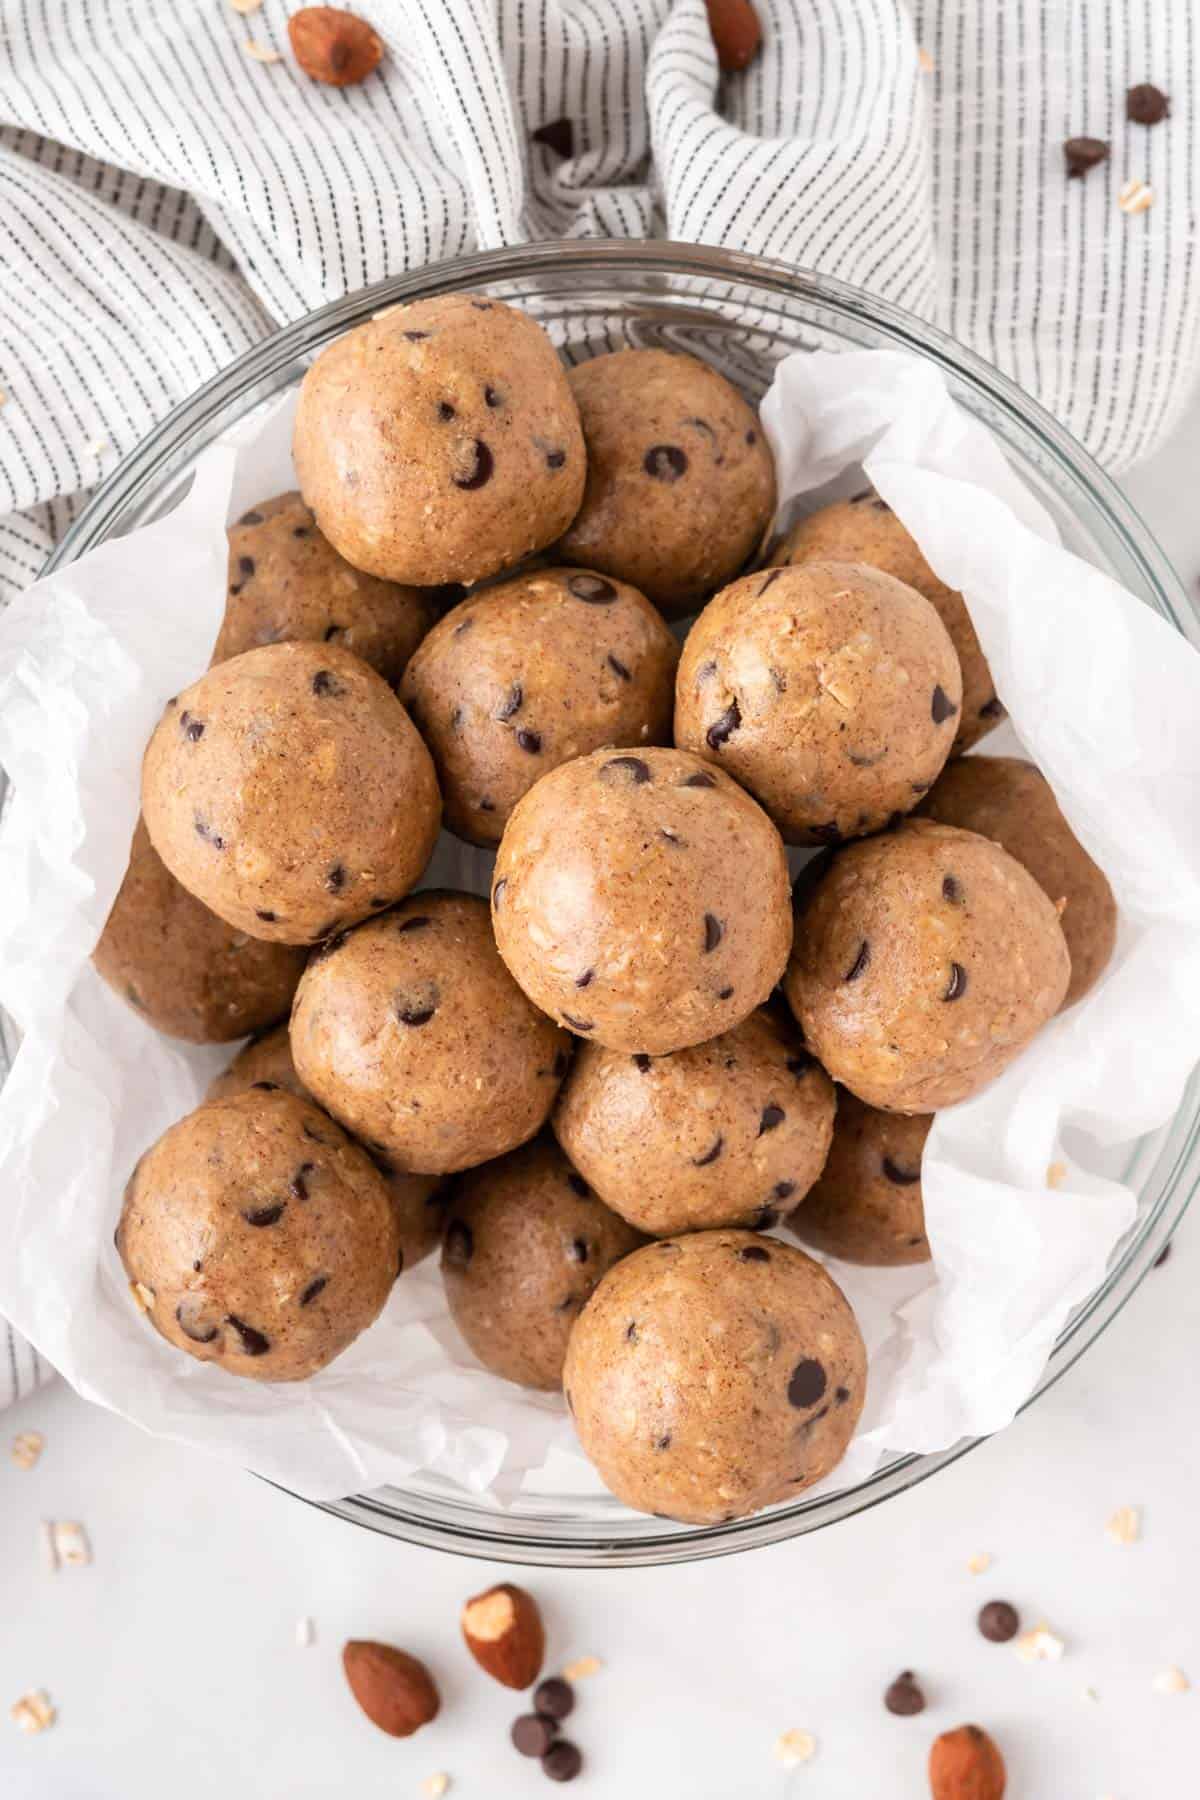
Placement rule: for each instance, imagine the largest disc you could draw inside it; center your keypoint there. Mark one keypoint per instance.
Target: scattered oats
(261, 53)
(97, 447)
(925, 62)
(1125, 1526)
(1171, 1681)
(245, 6)
(980, 1563)
(305, 1632)
(434, 1786)
(582, 1667)
(33, 1711)
(3, 397)
(1135, 197)
(27, 1446)
(794, 1747)
(1056, 1174)
(143, 1295)
(1040, 1645)
(1088, 1693)
(70, 1543)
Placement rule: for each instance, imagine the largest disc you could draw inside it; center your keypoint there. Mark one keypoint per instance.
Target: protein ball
(526, 1243)
(267, 1064)
(287, 583)
(925, 961)
(866, 1205)
(866, 530)
(411, 1031)
(731, 1132)
(1011, 802)
(641, 899)
(185, 970)
(440, 441)
(289, 791)
(830, 690)
(680, 481)
(714, 1374)
(529, 674)
(256, 1235)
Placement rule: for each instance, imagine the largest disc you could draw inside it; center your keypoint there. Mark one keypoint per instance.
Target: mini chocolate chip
(578, 1024)
(783, 1190)
(807, 1383)
(301, 531)
(486, 805)
(825, 834)
(941, 706)
(592, 588)
(264, 1215)
(533, 1735)
(193, 729)
(187, 1319)
(723, 728)
(618, 668)
(512, 702)
(482, 305)
(414, 337)
(772, 1116)
(313, 1134)
(268, 1087)
(754, 1253)
(920, 787)
(998, 1621)
(951, 890)
(297, 1186)
(860, 962)
(991, 709)
(1083, 153)
(562, 1761)
(714, 931)
(416, 922)
(415, 1015)
(335, 881)
(631, 1332)
(463, 625)
(529, 741)
(752, 436)
(772, 575)
(324, 682)
(665, 462)
(641, 1061)
(1146, 105)
(253, 1342)
(314, 1288)
(725, 993)
(956, 987)
(901, 1176)
(332, 631)
(904, 1696)
(841, 1395)
(251, 518)
(865, 762)
(663, 1442)
(558, 136)
(584, 980)
(579, 1186)
(498, 890)
(460, 1244)
(800, 1065)
(578, 1250)
(245, 567)
(268, 918)
(701, 779)
(328, 945)
(710, 1155)
(554, 1698)
(555, 459)
(204, 830)
(637, 771)
(492, 397)
(445, 411)
(480, 471)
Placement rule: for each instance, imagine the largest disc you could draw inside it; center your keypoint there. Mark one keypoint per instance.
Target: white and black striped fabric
(166, 197)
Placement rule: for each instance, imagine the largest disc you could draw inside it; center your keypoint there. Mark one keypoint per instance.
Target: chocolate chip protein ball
(925, 960)
(714, 1374)
(412, 1032)
(179, 965)
(731, 1132)
(830, 690)
(642, 899)
(440, 441)
(866, 530)
(1011, 802)
(525, 676)
(680, 480)
(287, 582)
(256, 1235)
(289, 791)
(526, 1243)
(866, 1205)
(265, 1066)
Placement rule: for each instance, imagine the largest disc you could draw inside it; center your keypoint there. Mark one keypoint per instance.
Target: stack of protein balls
(599, 1094)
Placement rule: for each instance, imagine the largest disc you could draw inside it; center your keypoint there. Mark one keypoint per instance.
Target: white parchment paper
(1104, 696)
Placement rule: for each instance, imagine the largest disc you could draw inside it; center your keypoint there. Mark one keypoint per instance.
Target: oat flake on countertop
(925, 61)
(33, 1711)
(1135, 197)
(261, 52)
(582, 1667)
(980, 1563)
(305, 1632)
(434, 1786)
(1040, 1645)
(67, 1543)
(794, 1747)
(1125, 1526)
(27, 1446)
(245, 6)
(1171, 1681)
(1056, 1174)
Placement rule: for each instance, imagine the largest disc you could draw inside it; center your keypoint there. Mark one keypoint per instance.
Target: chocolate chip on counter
(807, 1383)
(585, 980)
(251, 518)
(460, 1244)
(335, 881)
(579, 1186)
(701, 779)
(637, 771)
(714, 931)
(665, 462)
(532, 1734)
(991, 709)
(618, 668)
(558, 135)
(562, 1761)
(859, 965)
(904, 1696)
(529, 741)
(901, 1176)
(325, 683)
(772, 1116)
(254, 1343)
(710, 1155)
(754, 1253)
(998, 1621)
(951, 890)
(592, 588)
(264, 1215)
(187, 1317)
(641, 1061)
(417, 922)
(578, 1024)
(498, 890)
(1083, 153)
(313, 1289)
(722, 730)
(941, 707)
(480, 470)
(554, 1698)
(1146, 105)
(511, 703)
(956, 987)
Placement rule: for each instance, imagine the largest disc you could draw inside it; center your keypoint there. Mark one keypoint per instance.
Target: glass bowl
(742, 312)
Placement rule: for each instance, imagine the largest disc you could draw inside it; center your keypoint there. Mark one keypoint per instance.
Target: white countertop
(173, 1663)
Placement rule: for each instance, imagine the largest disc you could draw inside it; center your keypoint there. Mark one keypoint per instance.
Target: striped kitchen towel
(172, 185)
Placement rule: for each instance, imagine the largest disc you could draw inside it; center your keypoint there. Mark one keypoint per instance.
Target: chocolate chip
(618, 668)
(631, 1332)
(752, 436)
(414, 337)
(245, 567)
(858, 966)
(714, 931)
(533, 1735)
(585, 980)
(301, 531)
(941, 706)
(592, 588)
(332, 631)
(951, 890)
(187, 1317)
(416, 922)
(904, 1696)
(253, 1342)
(316, 1137)
(268, 1087)
(637, 771)
(480, 471)
(701, 779)
(415, 1013)
(725, 993)
(807, 1383)
(991, 709)
(463, 625)
(297, 1186)
(956, 987)
(901, 1176)
(783, 1190)
(641, 1061)
(1083, 153)
(264, 1215)
(512, 702)
(1146, 105)
(577, 1250)
(841, 1395)
(445, 411)
(325, 683)
(558, 136)
(772, 1116)
(268, 918)
(492, 398)
(710, 1155)
(800, 1065)
(486, 805)
(772, 575)
(460, 1244)
(579, 1186)
(723, 728)
(204, 830)
(555, 459)
(251, 518)
(578, 1024)
(529, 741)
(754, 1253)
(998, 1621)
(865, 761)
(665, 462)
(335, 881)
(562, 1761)
(554, 1698)
(313, 1289)
(193, 729)
(825, 834)
(663, 1442)
(328, 945)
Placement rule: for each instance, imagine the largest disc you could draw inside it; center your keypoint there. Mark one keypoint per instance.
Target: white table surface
(173, 1662)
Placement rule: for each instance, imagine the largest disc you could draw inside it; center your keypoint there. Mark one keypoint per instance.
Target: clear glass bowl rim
(461, 1528)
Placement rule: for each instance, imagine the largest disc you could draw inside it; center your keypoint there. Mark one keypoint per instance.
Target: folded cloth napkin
(172, 185)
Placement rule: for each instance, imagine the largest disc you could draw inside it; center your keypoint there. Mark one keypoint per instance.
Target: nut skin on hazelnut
(394, 1690)
(965, 1764)
(503, 1630)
